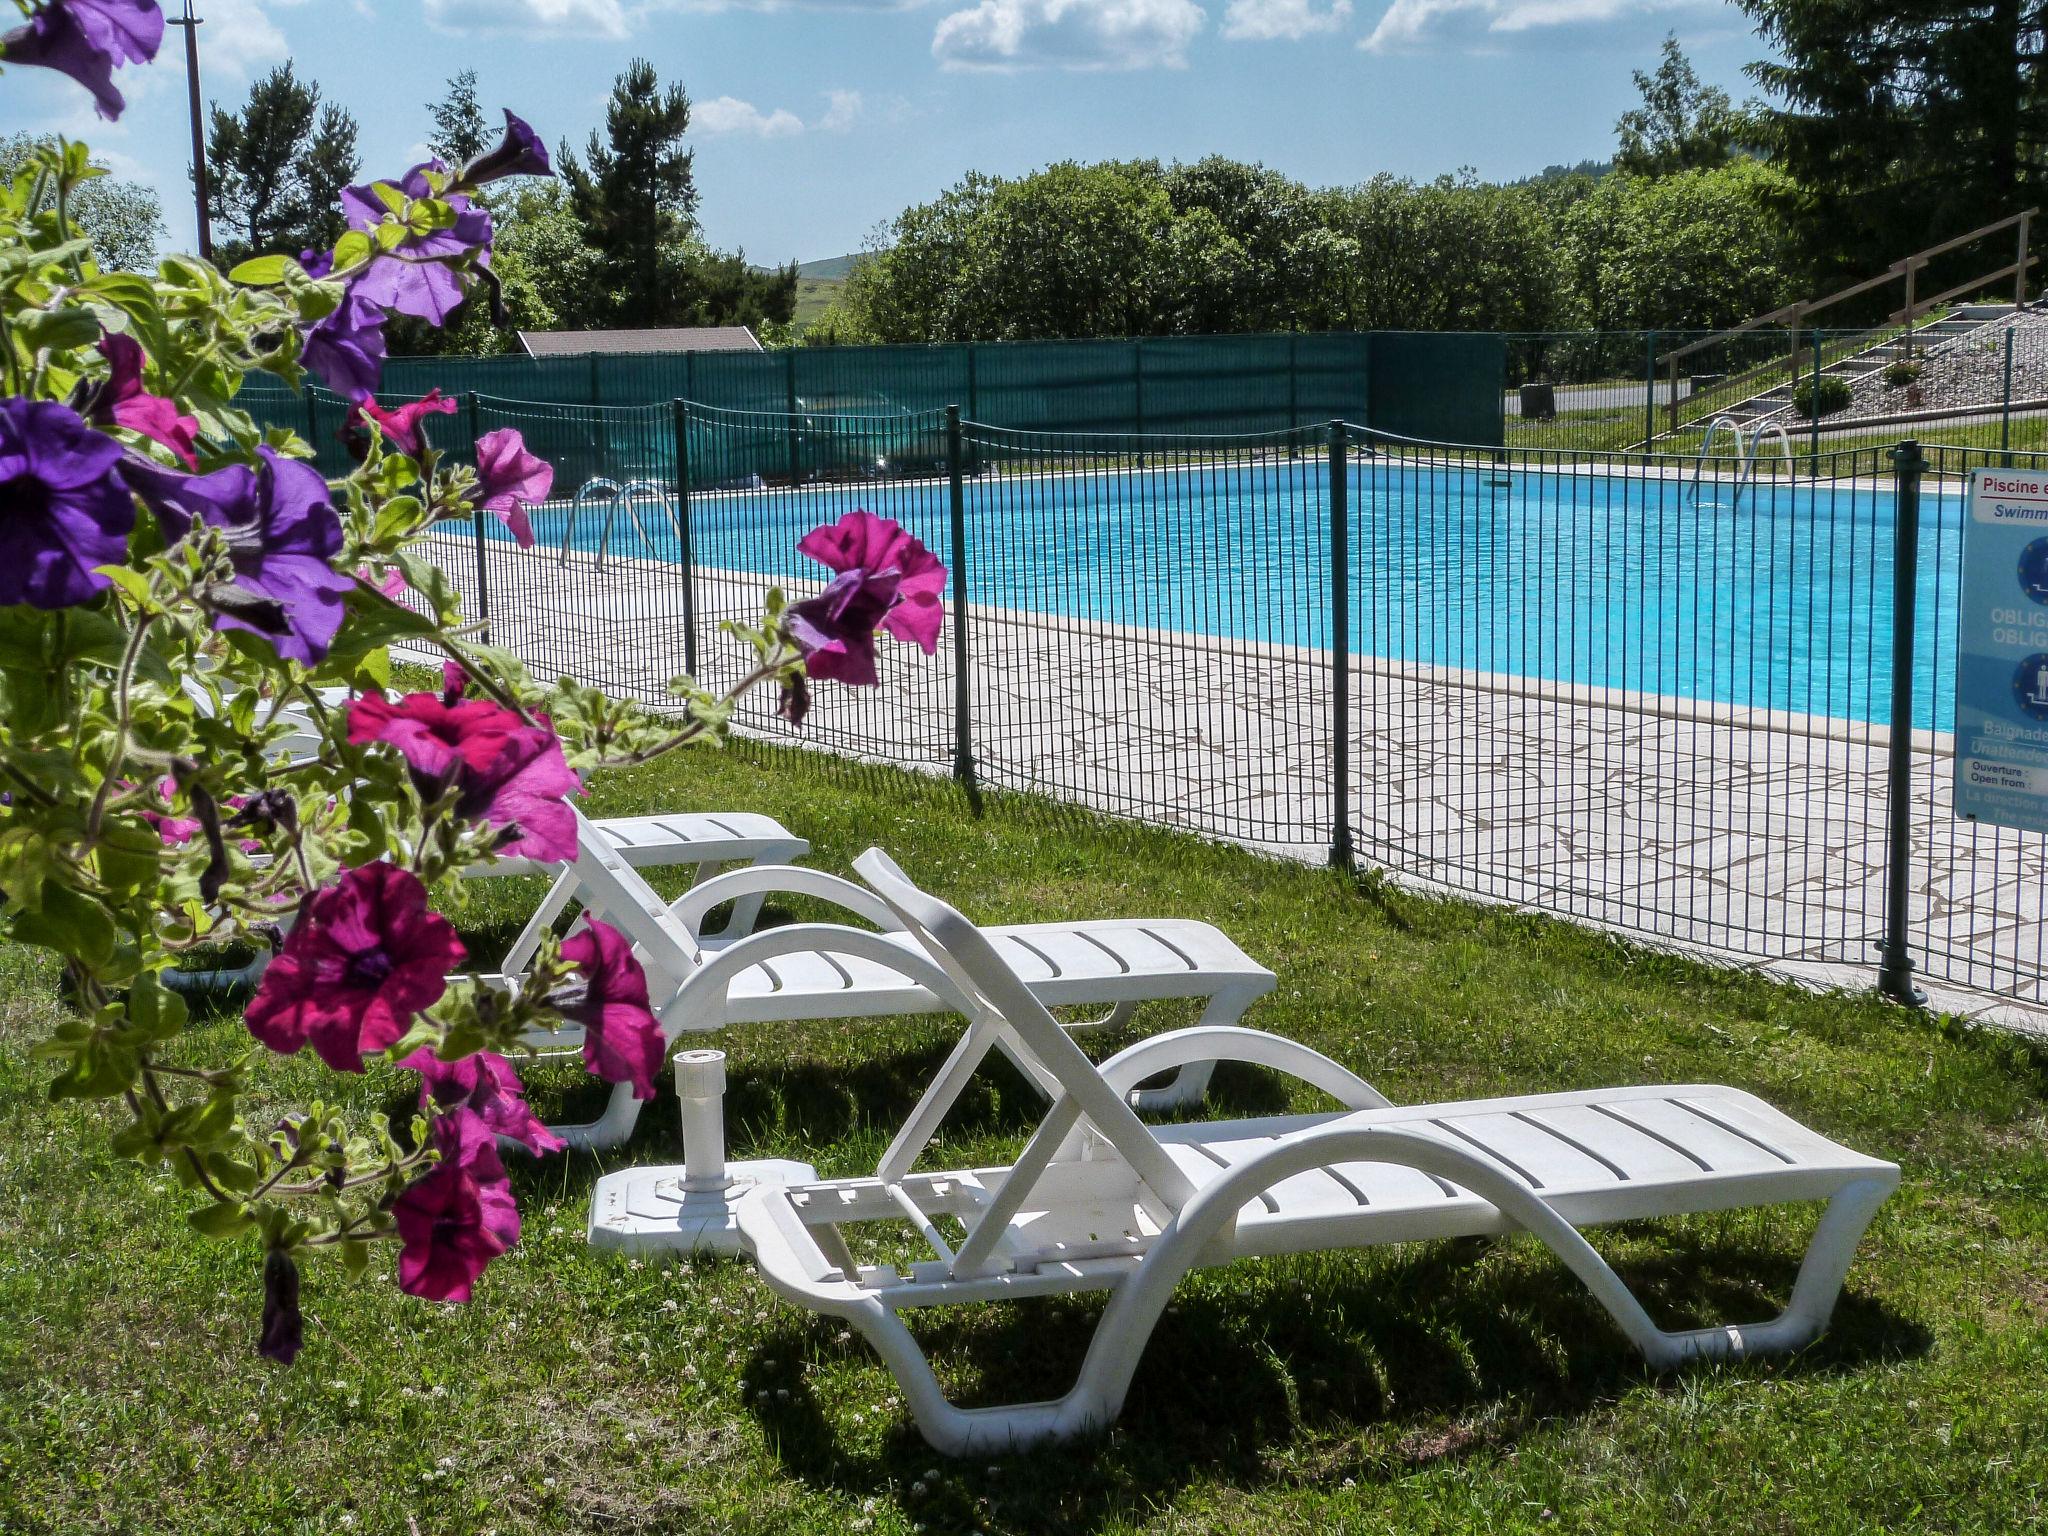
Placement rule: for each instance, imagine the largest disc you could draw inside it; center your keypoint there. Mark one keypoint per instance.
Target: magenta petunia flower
(63, 509)
(487, 1084)
(453, 1222)
(282, 532)
(405, 426)
(622, 1039)
(505, 772)
(519, 153)
(123, 401)
(88, 40)
(417, 276)
(886, 580)
(509, 480)
(346, 347)
(366, 955)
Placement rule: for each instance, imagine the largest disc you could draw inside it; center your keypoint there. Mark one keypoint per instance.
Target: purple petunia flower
(88, 40)
(316, 264)
(519, 153)
(346, 348)
(125, 403)
(63, 508)
(367, 956)
(282, 534)
(487, 1084)
(453, 1222)
(509, 480)
(886, 580)
(622, 1039)
(417, 276)
(284, 1330)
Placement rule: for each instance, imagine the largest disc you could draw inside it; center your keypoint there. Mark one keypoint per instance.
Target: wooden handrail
(2011, 269)
(1906, 268)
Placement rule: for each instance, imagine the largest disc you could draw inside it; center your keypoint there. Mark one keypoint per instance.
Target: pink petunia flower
(622, 1039)
(886, 579)
(365, 957)
(487, 1084)
(124, 402)
(505, 772)
(509, 480)
(453, 1222)
(403, 425)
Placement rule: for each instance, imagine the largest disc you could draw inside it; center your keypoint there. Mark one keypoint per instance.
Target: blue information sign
(2001, 745)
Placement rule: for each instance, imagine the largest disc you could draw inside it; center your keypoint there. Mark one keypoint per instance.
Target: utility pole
(191, 25)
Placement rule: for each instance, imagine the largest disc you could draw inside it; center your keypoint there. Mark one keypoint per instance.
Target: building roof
(682, 338)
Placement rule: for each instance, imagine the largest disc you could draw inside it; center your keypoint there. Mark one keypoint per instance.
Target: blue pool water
(1782, 600)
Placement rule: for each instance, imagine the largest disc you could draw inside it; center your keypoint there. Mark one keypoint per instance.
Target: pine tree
(277, 167)
(1905, 120)
(637, 197)
(461, 132)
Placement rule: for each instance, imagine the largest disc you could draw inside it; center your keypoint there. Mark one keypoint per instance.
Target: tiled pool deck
(1749, 836)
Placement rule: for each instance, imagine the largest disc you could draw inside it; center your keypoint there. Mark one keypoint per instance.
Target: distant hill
(829, 267)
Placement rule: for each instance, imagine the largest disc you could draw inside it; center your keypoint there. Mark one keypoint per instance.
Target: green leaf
(24, 864)
(220, 1220)
(57, 329)
(155, 1012)
(71, 923)
(259, 272)
(130, 853)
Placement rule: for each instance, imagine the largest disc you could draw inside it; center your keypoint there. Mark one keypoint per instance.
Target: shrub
(1901, 373)
(1835, 395)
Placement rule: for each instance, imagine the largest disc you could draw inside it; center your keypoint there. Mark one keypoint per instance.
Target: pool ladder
(621, 496)
(1747, 446)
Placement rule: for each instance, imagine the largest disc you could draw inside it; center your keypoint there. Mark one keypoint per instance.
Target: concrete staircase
(1775, 402)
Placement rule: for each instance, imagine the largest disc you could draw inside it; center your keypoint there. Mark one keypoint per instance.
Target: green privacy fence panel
(1444, 386)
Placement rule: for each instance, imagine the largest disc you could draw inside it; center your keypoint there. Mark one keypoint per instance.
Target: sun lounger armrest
(781, 879)
(1222, 1042)
(700, 1002)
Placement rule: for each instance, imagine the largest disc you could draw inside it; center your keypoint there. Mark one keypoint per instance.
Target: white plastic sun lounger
(812, 971)
(1099, 1201)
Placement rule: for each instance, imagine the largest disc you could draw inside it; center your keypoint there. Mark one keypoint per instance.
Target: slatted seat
(804, 971)
(1066, 964)
(1097, 1200)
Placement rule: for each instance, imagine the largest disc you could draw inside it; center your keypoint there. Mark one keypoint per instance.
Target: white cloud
(842, 111)
(237, 39)
(1412, 24)
(1260, 20)
(533, 18)
(728, 114)
(1072, 34)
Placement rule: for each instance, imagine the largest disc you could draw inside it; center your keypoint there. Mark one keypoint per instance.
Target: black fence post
(796, 466)
(1813, 414)
(1649, 389)
(963, 704)
(483, 582)
(1340, 645)
(686, 551)
(2005, 415)
(1895, 974)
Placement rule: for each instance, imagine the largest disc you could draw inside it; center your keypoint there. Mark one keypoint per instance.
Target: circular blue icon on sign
(2030, 686)
(2034, 570)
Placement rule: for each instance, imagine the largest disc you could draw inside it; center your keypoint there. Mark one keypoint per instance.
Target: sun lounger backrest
(620, 895)
(966, 955)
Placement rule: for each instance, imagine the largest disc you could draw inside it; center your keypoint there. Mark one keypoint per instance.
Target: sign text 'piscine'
(2001, 747)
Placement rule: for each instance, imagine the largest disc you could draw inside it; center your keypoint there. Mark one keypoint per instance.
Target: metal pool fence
(1702, 700)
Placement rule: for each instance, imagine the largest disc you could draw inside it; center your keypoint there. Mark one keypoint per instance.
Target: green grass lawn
(1447, 1387)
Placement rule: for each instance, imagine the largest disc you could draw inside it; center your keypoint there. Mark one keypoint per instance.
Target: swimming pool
(1781, 598)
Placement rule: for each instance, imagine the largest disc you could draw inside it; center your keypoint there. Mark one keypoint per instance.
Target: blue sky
(817, 119)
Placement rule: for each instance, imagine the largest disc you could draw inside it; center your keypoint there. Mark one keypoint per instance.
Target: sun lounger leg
(1190, 1085)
